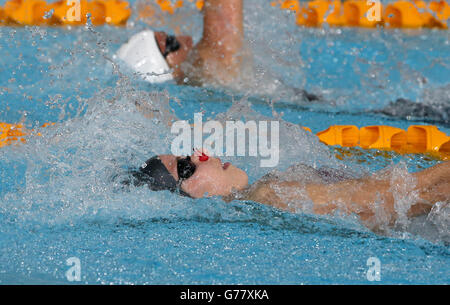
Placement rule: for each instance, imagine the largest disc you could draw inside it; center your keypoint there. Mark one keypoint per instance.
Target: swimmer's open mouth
(225, 165)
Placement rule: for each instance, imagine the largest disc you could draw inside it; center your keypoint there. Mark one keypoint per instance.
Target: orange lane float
(113, 12)
(73, 15)
(317, 12)
(362, 13)
(292, 5)
(357, 13)
(12, 133)
(343, 135)
(25, 11)
(382, 137)
(415, 14)
(2, 16)
(441, 12)
(62, 12)
(417, 139)
(426, 138)
(117, 12)
(406, 14)
(170, 6)
(167, 6)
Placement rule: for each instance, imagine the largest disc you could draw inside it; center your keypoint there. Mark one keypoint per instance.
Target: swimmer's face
(211, 177)
(174, 59)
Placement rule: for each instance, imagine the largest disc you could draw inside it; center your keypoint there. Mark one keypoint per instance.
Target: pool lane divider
(39, 12)
(351, 13)
(13, 133)
(369, 14)
(416, 139)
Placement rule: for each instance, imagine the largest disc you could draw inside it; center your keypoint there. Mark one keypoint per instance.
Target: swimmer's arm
(215, 55)
(358, 195)
(290, 195)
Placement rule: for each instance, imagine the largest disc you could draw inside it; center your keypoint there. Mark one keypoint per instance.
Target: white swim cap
(142, 54)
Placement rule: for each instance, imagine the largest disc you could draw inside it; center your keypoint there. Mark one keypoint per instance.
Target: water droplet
(49, 14)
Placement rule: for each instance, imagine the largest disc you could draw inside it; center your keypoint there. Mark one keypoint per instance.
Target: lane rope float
(416, 139)
(13, 133)
(369, 14)
(62, 12)
(353, 13)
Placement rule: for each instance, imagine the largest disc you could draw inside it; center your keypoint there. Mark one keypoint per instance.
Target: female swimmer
(199, 176)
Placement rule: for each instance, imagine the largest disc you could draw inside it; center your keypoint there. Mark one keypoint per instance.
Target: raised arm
(216, 57)
(360, 195)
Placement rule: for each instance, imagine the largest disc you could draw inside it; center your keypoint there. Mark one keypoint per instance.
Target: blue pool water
(58, 197)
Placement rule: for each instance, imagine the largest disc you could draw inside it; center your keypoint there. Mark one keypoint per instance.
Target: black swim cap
(155, 174)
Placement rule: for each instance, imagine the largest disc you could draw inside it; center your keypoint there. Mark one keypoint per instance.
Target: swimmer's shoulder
(262, 192)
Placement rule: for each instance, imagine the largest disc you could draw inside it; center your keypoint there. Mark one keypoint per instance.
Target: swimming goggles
(172, 45)
(185, 168)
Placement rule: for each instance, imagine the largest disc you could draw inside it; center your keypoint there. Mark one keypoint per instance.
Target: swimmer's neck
(244, 194)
